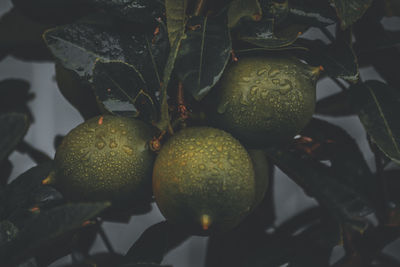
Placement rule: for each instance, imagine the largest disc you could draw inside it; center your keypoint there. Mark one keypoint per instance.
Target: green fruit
(264, 100)
(105, 158)
(203, 180)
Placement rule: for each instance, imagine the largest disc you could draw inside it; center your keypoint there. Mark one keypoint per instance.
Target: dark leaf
(153, 244)
(123, 91)
(391, 39)
(146, 265)
(203, 55)
(78, 46)
(378, 105)
(77, 92)
(264, 34)
(29, 263)
(8, 232)
(336, 105)
(15, 97)
(35, 154)
(138, 11)
(22, 38)
(385, 61)
(239, 9)
(52, 11)
(337, 59)
(318, 181)
(47, 227)
(13, 129)
(5, 171)
(176, 18)
(347, 161)
(349, 11)
(99, 260)
(26, 192)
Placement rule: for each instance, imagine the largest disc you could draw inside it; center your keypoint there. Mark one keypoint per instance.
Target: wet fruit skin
(203, 181)
(264, 100)
(105, 158)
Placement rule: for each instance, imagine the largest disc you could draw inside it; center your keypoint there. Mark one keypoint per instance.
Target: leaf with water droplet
(123, 91)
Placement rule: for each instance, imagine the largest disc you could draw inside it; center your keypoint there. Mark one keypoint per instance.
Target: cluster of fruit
(204, 178)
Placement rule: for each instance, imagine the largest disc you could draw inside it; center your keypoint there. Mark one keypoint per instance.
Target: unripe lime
(105, 158)
(203, 180)
(264, 100)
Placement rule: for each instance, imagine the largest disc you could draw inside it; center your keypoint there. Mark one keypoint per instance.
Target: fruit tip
(100, 122)
(49, 179)
(205, 222)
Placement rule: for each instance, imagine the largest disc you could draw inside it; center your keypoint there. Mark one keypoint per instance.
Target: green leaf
(13, 129)
(378, 105)
(6, 168)
(176, 18)
(123, 91)
(15, 96)
(337, 59)
(153, 244)
(78, 46)
(349, 11)
(138, 11)
(336, 105)
(203, 54)
(318, 181)
(239, 9)
(22, 37)
(48, 226)
(164, 122)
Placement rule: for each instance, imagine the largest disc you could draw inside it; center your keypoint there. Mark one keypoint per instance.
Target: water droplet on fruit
(100, 145)
(113, 144)
(128, 150)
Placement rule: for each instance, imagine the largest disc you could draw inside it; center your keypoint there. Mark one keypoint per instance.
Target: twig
(328, 34)
(199, 7)
(104, 237)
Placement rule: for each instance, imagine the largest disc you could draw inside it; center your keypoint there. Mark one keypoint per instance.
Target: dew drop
(128, 150)
(113, 144)
(100, 145)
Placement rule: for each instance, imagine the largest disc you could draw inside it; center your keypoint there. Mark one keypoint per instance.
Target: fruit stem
(182, 109)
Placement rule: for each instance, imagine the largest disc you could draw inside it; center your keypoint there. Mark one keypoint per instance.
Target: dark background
(54, 115)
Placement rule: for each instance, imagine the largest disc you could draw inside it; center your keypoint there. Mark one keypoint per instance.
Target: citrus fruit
(105, 158)
(264, 100)
(203, 180)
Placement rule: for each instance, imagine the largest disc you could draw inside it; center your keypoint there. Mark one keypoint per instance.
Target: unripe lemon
(105, 158)
(264, 100)
(203, 180)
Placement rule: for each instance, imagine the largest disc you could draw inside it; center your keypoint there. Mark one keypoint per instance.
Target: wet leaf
(349, 11)
(318, 181)
(176, 18)
(239, 9)
(47, 227)
(22, 37)
(13, 129)
(336, 105)
(316, 16)
(264, 34)
(153, 244)
(378, 105)
(337, 59)
(78, 46)
(203, 54)
(138, 11)
(123, 91)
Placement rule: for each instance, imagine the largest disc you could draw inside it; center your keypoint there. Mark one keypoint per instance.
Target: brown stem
(199, 7)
